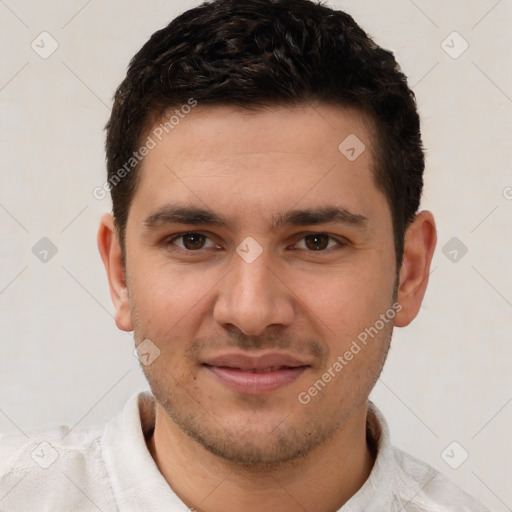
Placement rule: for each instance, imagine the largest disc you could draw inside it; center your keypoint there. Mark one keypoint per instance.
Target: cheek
(166, 299)
(347, 299)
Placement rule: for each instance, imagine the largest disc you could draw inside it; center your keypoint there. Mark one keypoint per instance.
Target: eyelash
(170, 241)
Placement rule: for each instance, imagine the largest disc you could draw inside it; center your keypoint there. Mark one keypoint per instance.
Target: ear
(420, 242)
(108, 245)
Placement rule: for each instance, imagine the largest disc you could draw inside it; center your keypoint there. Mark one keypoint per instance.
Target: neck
(323, 480)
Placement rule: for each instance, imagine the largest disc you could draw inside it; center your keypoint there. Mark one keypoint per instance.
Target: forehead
(224, 156)
(303, 129)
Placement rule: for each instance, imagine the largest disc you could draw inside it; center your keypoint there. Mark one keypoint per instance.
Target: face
(257, 257)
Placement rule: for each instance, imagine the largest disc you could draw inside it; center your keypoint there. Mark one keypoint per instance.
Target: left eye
(192, 241)
(317, 242)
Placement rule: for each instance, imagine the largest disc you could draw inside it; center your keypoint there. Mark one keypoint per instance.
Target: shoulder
(421, 488)
(44, 447)
(49, 463)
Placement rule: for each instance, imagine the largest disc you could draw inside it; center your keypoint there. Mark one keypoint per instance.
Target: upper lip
(247, 362)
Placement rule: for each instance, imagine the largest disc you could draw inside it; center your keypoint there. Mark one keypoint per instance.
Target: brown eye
(191, 241)
(317, 241)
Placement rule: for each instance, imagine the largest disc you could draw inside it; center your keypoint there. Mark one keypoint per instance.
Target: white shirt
(110, 469)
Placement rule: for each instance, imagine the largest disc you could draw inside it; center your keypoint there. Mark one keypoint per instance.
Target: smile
(255, 375)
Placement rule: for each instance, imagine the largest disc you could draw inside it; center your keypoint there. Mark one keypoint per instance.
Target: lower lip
(249, 383)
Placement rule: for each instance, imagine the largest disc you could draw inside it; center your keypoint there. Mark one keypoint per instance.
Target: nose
(253, 297)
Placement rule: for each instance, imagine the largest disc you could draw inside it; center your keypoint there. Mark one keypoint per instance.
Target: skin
(215, 445)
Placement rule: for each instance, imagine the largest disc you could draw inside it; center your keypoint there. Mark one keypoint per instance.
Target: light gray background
(62, 358)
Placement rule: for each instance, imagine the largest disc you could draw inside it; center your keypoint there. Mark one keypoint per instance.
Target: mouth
(255, 375)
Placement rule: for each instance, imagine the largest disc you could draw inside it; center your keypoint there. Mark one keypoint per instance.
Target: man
(265, 165)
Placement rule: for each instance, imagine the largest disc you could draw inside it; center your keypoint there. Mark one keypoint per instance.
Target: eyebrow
(193, 215)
